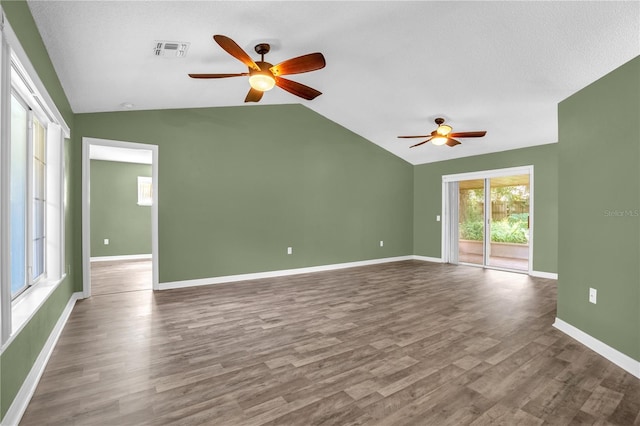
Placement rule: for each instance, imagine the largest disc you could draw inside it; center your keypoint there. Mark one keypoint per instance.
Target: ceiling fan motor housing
(264, 69)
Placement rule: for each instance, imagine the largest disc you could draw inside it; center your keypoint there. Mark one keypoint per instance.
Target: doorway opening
(120, 226)
(489, 219)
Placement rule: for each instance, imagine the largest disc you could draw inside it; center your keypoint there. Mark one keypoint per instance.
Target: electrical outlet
(381, 243)
(289, 250)
(593, 295)
(438, 218)
(106, 241)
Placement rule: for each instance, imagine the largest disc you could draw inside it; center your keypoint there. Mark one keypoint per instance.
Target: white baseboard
(548, 275)
(116, 258)
(427, 259)
(20, 402)
(618, 358)
(280, 273)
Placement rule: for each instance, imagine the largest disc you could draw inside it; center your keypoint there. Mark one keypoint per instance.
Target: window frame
(16, 312)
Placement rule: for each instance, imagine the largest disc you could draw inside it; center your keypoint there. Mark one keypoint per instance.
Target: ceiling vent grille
(170, 49)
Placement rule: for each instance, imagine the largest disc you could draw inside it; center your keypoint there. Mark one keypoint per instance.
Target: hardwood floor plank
(399, 343)
(602, 402)
(108, 277)
(500, 415)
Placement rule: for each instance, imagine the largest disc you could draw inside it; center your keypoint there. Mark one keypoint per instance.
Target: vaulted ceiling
(392, 67)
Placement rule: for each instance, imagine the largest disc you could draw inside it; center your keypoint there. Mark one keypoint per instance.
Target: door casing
(86, 213)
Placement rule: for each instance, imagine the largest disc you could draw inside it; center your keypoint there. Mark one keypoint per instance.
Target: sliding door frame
(447, 232)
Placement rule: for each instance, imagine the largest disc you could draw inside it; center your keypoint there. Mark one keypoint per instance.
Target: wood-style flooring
(109, 277)
(495, 261)
(405, 343)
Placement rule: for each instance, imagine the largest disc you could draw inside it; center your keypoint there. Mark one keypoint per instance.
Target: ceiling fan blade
(304, 63)
(217, 75)
(420, 143)
(452, 142)
(236, 51)
(468, 134)
(297, 89)
(253, 95)
(422, 136)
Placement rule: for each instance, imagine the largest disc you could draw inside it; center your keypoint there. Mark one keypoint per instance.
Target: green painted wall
(115, 213)
(239, 185)
(17, 359)
(599, 243)
(428, 199)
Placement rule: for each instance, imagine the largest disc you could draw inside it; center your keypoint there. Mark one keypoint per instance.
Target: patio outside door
(493, 222)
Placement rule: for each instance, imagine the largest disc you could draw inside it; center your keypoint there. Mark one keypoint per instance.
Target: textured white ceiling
(392, 67)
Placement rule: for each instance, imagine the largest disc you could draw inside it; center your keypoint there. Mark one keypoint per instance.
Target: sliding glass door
(509, 223)
(471, 221)
(492, 214)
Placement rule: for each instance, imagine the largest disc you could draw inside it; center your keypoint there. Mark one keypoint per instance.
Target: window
(145, 191)
(32, 196)
(39, 198)
(28, 188)
(18, 195)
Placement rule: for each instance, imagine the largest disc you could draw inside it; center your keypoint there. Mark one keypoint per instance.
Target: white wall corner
(21, 401)
(623, 361)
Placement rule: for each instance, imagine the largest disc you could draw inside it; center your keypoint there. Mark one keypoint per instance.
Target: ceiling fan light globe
(439, 140)
(443, 130)
(262, 82)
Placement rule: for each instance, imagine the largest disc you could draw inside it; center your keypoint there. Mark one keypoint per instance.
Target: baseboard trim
(123, 257)
(618, 358)
(21, 401)
(427, 259)
(548, 275)
(279, 273)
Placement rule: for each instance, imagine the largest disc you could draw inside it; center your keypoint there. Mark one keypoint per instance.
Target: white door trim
(86, 212)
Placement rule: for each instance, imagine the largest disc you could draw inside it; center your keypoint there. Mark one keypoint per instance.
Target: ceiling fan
(443, 136)
(263, 75)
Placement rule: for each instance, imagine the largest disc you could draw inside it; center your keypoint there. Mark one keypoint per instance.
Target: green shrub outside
(512, 229)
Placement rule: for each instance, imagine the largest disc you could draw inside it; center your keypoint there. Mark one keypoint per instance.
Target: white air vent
(170, 49)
